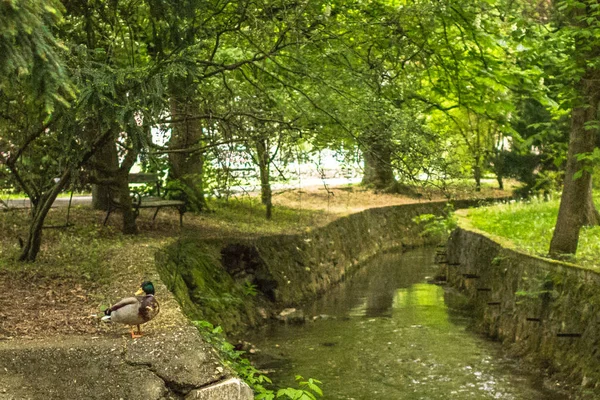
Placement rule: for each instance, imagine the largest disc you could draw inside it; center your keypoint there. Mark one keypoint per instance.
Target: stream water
(386, 334)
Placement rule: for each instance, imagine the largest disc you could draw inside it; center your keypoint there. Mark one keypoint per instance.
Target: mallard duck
(134, 310)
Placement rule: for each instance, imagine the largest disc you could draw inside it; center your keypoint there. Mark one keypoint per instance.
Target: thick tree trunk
(187, 167)
(265, 183)
(122, 187)
(576, 206)
(106, 163)
(100, 197)
(129, 215)
(591, 214)
(110, 178)
(377, 154)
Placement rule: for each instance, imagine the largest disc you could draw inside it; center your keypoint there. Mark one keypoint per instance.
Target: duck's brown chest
(149, 308)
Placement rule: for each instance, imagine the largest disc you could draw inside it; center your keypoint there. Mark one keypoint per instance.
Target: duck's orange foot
(136, 335)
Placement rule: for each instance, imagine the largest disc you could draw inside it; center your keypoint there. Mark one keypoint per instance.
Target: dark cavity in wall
(244, 263)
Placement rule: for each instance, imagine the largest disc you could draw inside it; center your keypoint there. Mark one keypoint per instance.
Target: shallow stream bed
(386, 334)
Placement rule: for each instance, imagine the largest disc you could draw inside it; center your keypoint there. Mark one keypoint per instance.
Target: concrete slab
(162, 366)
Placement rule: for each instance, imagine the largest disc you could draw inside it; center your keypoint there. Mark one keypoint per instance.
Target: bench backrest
(146, 177)
(143, 177)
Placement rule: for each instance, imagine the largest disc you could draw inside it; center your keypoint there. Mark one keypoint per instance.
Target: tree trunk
(39, 212)
(477, 173)
(266, 196)
(572, 214)
(106, 163)
(42, 205)
(498, 163)
(591, 215)
(122, 187)
(110, 178)
(100, 195)
(187, 167)
(33, 243)
(477, 177)
(129, 215)
(377, 153)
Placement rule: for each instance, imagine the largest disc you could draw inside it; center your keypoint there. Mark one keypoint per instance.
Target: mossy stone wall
(289, 269)
(545, 311)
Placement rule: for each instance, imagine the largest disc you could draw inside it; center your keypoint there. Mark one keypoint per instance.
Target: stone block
(291, 316)
(230, 389)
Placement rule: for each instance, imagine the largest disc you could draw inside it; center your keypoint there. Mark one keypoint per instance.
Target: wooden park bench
(141, 200)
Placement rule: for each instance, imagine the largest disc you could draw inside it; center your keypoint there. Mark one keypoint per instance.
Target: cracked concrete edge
(175, 389)
(229, 389)
(163, 366)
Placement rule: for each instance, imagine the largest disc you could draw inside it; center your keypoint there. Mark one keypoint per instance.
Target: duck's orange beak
(139, 292)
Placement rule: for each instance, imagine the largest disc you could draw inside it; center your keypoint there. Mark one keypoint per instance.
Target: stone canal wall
(236, 283)
(545, 311)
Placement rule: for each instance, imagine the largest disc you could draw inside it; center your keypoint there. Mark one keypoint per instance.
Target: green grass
(529, 226)
(91, 251)
(83, 251)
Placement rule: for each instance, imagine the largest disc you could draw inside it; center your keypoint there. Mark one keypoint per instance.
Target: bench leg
(107, 215)
(181, 212)
(155, 214)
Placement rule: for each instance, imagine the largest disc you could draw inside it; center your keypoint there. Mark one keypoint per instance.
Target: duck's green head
(146, 287)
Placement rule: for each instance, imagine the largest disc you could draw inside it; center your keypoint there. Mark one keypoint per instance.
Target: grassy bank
(529, 225)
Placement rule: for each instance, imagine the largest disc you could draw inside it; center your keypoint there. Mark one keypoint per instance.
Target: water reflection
(384, 334)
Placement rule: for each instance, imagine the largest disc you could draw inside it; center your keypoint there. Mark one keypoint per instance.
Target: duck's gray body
(133, 310)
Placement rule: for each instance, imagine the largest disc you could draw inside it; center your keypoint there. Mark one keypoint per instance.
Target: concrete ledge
(230, 389)
(158, 366)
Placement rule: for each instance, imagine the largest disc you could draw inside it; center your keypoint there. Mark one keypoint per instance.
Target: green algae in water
(384, 334)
